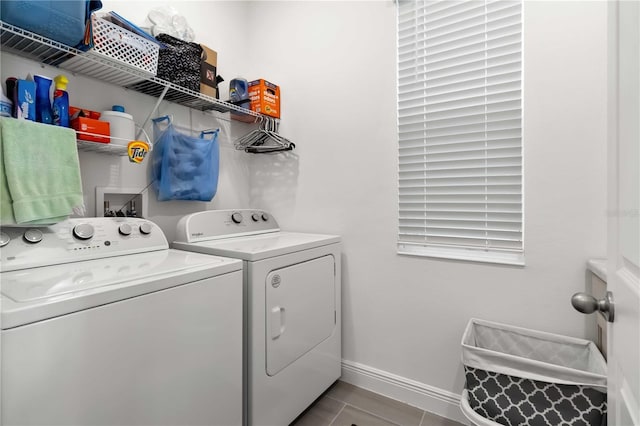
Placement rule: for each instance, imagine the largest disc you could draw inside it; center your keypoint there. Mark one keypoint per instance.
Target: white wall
(405, 315)
(335, 62)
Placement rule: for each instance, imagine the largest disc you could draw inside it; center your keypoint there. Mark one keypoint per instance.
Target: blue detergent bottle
(61, 102)
(44, 113)
(239, 92)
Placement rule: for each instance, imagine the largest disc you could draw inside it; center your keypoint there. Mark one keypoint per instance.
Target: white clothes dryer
(292, 297)
(102, 323)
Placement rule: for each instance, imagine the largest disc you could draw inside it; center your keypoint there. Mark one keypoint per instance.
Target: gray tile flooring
(347, 405)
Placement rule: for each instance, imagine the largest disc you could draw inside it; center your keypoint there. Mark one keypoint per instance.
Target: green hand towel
(6, 208)
(40, 178)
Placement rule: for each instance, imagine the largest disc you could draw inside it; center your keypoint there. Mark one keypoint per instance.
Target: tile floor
(347, 405)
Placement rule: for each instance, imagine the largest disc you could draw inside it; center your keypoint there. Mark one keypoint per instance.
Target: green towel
(39, 173)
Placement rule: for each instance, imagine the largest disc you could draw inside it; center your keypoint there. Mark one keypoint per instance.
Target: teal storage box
(63, 21)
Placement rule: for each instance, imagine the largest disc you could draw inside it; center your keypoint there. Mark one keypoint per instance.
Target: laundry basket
(517, 377)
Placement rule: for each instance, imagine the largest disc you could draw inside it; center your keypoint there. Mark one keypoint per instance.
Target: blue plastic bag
(184, 167)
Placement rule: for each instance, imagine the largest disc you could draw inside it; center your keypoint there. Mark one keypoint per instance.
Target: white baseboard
(420, 395)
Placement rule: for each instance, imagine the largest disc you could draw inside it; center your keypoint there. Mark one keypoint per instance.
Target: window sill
(470, 255)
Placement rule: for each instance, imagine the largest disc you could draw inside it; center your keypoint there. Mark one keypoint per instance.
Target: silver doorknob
(587, 304)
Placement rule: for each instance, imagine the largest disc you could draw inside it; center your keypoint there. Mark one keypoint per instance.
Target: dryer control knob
(125, 229)
(265, 217)
(146, 228)
(236, 217)
(4, 239)
(255, 217)
(84, 231)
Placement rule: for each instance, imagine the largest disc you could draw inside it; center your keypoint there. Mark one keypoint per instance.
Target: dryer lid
(37, 293)
(258, 247)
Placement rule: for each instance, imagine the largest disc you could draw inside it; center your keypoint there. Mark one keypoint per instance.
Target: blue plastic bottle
(44, 113)
(61, 102)
(239, 91)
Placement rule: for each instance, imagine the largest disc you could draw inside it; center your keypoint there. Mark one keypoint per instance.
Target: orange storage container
(85, 112)
(99, 130)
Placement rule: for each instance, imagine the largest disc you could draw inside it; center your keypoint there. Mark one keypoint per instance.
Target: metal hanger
(257, 141)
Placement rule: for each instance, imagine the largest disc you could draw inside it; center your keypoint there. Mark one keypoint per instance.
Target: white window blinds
(460, 129)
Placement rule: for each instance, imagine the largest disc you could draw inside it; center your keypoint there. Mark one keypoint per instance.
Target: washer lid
(34, 294)
(258, 247)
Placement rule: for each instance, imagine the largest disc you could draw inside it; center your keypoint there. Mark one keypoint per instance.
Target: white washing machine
(103, 324)
(292, 307)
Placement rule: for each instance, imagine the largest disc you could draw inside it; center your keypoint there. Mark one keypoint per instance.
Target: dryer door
(300, 309)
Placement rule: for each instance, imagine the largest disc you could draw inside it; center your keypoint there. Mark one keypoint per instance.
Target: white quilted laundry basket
(517, 377)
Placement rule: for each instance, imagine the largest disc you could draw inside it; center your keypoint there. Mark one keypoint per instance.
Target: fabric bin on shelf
(516, 376)
(179, 62)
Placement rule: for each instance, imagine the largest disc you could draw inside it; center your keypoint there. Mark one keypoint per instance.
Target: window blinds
(460, 129)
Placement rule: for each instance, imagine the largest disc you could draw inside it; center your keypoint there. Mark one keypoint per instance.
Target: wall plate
(119, 197)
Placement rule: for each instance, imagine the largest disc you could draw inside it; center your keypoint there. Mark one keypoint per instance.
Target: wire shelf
(115, 146)
(104, 148)
(35, 47)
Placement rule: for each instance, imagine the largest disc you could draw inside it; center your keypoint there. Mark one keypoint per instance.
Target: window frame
(479, 253)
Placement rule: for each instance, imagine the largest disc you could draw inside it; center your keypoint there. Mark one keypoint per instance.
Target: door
(300, 309)
(623, 251)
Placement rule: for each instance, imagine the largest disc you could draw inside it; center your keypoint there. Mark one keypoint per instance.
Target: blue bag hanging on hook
(184, 167)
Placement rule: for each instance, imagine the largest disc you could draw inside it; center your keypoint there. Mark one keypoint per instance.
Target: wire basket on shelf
(127, 49)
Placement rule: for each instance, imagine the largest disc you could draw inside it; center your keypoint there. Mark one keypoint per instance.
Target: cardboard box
(265, 98)
(95, 127)
(25, 99)
(208, 73)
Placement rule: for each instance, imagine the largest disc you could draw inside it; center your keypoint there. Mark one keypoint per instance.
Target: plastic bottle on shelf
(44, 113)
(239, 92)
(61, 102)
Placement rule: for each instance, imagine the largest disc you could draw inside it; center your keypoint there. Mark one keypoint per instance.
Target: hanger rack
(265, 139)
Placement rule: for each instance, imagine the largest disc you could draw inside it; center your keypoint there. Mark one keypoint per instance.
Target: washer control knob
(4, 239)
(255, 217)
(236, 217)
(146, 228)
(265, 217)
(33, 236)
(125, 229)
(84, 231)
